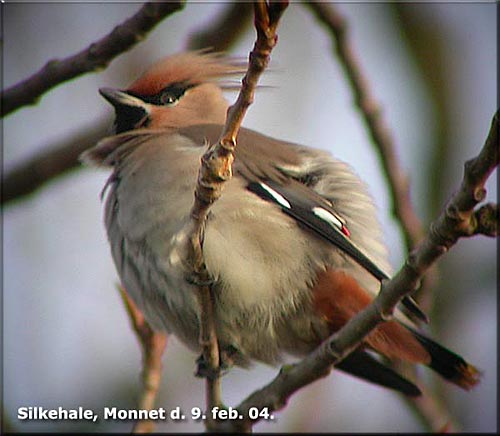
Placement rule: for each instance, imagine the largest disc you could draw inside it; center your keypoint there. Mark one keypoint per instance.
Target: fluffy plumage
(194, 68)
(281, 285)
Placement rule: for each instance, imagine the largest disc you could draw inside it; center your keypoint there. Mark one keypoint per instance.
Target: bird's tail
(363, 365)
(446, 363)
(449, 365)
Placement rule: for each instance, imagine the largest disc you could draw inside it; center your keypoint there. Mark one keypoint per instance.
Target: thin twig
(397, 181)
(153, 346)
(51, 162)
(455, 221)
(396, 178)
(419, 35)
(398, 184)
(428, 408)
(31, 174)
(214, 171)
(432, 413)
(95, 57)
(224, 32)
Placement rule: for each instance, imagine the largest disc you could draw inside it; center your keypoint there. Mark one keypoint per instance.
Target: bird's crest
(190, 68)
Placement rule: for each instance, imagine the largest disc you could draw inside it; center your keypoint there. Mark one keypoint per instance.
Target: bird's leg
(226, 356)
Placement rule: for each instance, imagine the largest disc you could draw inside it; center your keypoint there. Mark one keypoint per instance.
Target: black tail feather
(448, 364)
(363, 365)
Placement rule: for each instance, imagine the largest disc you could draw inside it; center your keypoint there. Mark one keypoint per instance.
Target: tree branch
(455, 221)
(41, 168)
(96, 56)
(432, 414)
(153, 346)
(223, 33)
(397, 180)
(50, 162)
(214, 171)
(398, 184)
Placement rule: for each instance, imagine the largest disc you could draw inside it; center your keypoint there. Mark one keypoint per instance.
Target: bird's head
(180, 90)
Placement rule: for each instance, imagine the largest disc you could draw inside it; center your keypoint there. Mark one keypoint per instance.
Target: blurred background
(66, 337)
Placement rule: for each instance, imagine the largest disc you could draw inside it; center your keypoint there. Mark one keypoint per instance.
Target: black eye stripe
(168, 95)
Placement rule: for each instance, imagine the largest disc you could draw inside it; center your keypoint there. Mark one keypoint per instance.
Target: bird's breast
(261, 262)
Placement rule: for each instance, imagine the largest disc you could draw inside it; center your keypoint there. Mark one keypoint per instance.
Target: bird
(293, 247)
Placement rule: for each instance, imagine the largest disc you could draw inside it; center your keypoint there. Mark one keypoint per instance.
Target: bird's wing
(261, 161)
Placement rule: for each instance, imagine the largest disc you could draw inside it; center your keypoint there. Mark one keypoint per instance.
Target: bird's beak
(131, 111)
(120, 98)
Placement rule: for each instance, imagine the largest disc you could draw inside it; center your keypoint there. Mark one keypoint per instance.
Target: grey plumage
(262, 261)
(281, 282)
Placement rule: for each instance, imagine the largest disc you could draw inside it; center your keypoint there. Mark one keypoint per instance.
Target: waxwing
(293, 245)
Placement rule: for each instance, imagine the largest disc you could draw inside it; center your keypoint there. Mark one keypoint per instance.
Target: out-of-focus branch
(455, 221)
(398, 184)
(153, 346)
(426, 46)
(95, 57)
(214, 171)
(50, 162)
(382, 139)
(431, 413)
(43, 167)
(223, 33)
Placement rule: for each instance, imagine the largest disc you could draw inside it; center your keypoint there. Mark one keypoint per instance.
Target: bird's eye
(168, 96)
(171, 94)
(168, 99)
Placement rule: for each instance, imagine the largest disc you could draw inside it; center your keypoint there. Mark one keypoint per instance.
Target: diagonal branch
(95, 57)
(432, 413)
(381, 136)
(225, 31)
(455, 221)
(153, 346)
(31, 174)
(51, 162)
(214, 171)
(397, 180)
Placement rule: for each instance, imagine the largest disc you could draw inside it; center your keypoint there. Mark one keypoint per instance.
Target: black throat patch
(129, 117)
